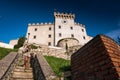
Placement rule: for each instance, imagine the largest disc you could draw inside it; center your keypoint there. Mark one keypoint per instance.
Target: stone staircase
(20, 73)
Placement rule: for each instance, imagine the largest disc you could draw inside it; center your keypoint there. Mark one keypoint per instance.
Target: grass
(5, 51)
(59, 65)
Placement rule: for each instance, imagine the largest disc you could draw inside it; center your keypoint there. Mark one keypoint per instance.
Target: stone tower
(62, 22)
(65, 27)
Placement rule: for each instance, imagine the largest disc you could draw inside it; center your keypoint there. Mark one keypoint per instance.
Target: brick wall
(99, 59)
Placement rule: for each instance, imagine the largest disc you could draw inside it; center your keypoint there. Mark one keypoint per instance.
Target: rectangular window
(82, 30)
(35, 29)
(28, 33)
(49, 43)
(83, 37)
(50, 28)
(34, 37)
(49, 36)
(72, 35)
(60, 34)
(59, 27)
(71, 28)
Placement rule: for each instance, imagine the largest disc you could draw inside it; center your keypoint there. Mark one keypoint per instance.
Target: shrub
(20, 42)
(33, 46)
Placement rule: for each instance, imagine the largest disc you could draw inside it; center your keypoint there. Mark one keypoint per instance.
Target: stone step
(19, 67)
(22, 75)
(22, 70)
(20, 79)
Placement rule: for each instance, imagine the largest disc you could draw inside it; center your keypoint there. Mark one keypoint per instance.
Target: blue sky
(99, 16)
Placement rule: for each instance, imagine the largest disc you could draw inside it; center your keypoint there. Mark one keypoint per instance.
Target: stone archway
(70, 42)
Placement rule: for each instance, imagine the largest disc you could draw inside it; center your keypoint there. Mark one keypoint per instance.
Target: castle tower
(62, 22)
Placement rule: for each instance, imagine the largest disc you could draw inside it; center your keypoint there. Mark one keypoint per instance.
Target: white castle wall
(80, 33)
(5, 45)
(13, 42)
(41, 33)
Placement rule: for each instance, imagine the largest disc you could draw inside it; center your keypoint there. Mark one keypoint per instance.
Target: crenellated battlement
(79, 24)
(37, 24)
(64, 15)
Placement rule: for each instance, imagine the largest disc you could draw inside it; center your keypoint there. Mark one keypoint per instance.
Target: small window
(64, 21)
(49, 36)
(82, 30)
(83, 37)
(59, 27)
(60, 34)
(35, 29)
(34, 37)
(72, 35)
(49, 43)
(71, 28)
(50, 28)
(28, 33)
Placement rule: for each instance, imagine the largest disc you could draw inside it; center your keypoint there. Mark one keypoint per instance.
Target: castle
(63, 30)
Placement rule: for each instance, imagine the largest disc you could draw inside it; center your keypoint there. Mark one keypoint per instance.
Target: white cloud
(114, 34)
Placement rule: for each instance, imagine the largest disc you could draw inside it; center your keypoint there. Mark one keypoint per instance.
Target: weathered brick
(112, 70)
(116, 64)
(117, 69)
(115, 59)
(109, 65)
(99, 57)
(111, 77)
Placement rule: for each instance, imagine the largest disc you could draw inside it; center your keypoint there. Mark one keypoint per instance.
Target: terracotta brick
(104, 72)
(99, 58)
(115, 59)
(118, 69)
(112, 70)
(118, 73)
(116, 64)
(114, 55)
(111, 77)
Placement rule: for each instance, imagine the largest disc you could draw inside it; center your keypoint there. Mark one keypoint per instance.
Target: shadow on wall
(69, 41)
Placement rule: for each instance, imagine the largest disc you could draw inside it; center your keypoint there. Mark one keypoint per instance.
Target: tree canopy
(20, 42)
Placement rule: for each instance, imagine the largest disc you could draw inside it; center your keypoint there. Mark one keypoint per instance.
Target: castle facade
(63, 31)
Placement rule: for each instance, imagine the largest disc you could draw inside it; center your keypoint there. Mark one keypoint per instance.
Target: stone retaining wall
(6, 65)
(41, 69)
(99, 59)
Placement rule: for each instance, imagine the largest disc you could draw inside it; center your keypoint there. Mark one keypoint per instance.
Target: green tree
(20, 42)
